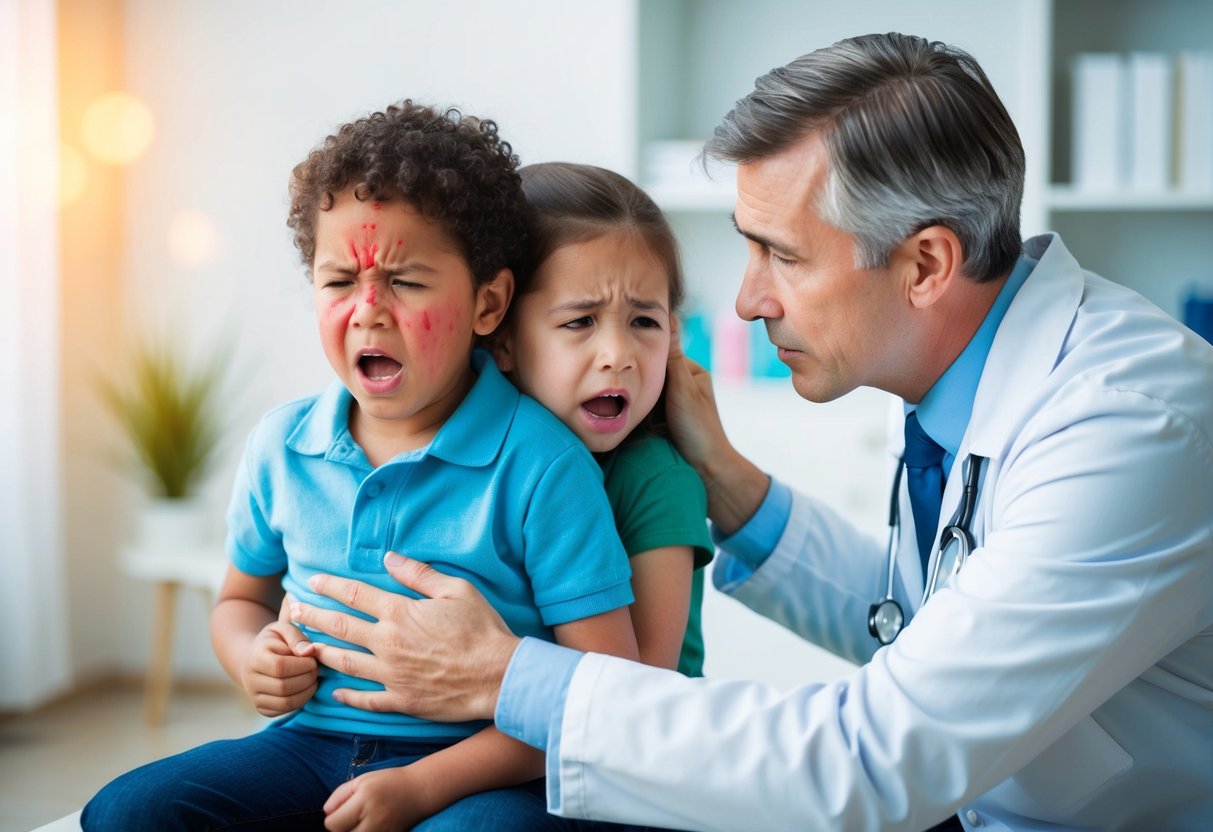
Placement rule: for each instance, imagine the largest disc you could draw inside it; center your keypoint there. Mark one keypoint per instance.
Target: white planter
(171, 525)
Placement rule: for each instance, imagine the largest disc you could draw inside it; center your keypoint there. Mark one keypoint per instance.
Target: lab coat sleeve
(818, 582)
(1095, 566)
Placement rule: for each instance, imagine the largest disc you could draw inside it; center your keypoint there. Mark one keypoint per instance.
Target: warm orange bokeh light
(73, 175)
(117, 128)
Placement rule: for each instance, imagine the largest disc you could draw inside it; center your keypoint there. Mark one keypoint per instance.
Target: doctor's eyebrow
(765, 242)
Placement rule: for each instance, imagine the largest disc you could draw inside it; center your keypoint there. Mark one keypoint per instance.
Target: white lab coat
(1065, 676)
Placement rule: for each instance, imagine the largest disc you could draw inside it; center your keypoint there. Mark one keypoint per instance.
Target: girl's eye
(401, 283)
(647, 322)
(337, 283)
(578, 323)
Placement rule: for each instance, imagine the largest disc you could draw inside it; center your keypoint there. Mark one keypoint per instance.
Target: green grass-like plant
(170, 415)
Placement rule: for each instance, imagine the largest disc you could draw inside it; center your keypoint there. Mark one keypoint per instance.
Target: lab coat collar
(1026, 346)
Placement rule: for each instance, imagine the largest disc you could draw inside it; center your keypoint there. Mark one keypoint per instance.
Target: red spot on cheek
(375, 206)
(341, 307)
(425, 321)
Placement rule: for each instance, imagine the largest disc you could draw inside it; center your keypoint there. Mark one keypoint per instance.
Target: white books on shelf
(1099, 129)
(1151, 98)
(1194, 117)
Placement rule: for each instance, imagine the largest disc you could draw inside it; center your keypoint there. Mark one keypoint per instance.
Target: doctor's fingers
(352, 662)
(341, 626)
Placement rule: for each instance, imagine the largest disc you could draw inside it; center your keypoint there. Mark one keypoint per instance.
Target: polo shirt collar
(472, 436)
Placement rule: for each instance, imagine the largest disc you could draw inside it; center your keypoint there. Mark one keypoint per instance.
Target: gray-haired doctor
(1061, 676)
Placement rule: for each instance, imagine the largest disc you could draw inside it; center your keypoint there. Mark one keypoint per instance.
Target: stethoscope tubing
(886, 618)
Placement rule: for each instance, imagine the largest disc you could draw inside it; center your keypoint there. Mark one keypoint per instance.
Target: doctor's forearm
(736, 488)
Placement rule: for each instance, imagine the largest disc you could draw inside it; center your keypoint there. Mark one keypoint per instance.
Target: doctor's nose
(754, 298)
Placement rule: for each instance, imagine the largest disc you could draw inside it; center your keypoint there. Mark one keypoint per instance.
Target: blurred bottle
(764, 357)
(697, 339)
(1198, 312)
(730, 346)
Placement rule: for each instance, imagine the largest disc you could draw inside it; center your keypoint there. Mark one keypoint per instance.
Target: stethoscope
(885, 617)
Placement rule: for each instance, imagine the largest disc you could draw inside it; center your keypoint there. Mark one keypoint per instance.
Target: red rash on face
(425, 320)
(341, 309)
(370, 296)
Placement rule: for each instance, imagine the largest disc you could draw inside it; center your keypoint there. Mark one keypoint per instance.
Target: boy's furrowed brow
(337, 267)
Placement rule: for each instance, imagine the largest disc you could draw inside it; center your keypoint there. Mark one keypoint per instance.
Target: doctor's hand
(735, 486)
(440, 657)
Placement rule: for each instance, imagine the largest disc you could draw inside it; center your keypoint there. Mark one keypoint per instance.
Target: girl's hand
(280, 671)
(387, 800)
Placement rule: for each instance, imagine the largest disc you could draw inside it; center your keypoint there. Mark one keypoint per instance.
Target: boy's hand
(280, 671)
(390, 800)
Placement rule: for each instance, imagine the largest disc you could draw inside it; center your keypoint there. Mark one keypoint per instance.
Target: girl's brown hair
(569, 203)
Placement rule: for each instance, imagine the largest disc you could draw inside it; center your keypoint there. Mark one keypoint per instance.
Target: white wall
(242, 90)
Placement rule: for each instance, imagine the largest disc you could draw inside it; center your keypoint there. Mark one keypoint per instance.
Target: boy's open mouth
(378, 367)
(605, 407)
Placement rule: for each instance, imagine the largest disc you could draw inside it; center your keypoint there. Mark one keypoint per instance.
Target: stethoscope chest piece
(885, 620)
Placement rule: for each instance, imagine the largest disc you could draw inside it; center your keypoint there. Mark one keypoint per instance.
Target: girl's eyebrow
(641, 303)
(578, 305)
(585, 304)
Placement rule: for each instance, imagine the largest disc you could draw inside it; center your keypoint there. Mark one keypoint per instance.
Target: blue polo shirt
(504, 496)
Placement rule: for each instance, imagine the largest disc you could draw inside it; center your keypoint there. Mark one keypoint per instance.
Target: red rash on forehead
(366, 255)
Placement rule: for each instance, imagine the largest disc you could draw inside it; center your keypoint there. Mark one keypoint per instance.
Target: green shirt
(659, 501)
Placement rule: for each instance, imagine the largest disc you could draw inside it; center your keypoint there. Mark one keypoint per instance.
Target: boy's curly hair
(454, 169)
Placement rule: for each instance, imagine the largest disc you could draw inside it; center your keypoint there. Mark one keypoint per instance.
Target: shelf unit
(1159, 243)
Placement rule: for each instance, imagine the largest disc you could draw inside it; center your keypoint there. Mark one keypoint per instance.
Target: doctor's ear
(929, 261)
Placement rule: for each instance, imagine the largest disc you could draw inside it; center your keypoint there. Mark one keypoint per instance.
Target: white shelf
(1070, 198)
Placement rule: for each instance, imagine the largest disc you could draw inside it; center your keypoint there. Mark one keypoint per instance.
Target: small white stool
(195, 567)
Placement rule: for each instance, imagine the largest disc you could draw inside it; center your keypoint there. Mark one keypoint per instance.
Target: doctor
(1061, 677)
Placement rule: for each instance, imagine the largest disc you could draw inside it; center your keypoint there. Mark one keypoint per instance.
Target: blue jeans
(279, 779)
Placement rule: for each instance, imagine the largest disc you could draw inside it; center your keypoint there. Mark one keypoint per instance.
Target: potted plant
(169, 414)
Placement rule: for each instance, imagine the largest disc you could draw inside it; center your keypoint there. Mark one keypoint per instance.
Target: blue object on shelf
(764, 357)
(697, 339)
(1198, 312)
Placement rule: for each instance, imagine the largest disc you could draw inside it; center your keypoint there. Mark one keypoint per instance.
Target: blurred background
(145, 147)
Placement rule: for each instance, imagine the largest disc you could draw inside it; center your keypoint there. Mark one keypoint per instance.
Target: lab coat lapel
(1026, 348)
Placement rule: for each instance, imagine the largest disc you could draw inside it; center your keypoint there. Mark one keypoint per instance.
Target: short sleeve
(576, 563)
(253, 545)
(658, 500)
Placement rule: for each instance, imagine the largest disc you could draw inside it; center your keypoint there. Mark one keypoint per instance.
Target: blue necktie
(924, 479)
